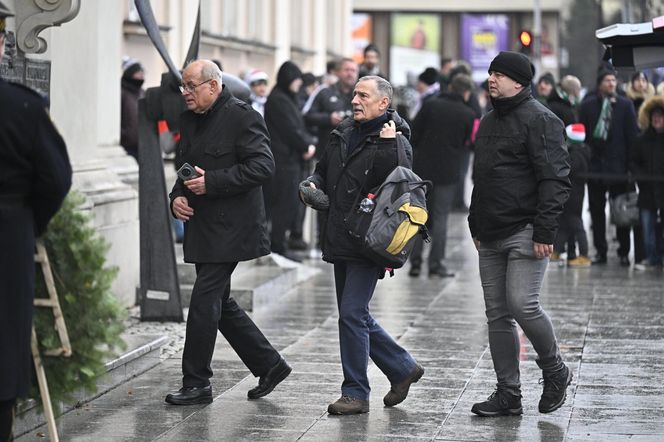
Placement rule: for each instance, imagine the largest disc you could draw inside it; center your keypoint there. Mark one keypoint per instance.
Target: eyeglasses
(191, 87)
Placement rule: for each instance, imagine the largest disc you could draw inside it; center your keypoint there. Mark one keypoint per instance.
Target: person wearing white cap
(257, 81)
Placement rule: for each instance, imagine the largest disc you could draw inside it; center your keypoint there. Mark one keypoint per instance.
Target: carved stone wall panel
(33, 16)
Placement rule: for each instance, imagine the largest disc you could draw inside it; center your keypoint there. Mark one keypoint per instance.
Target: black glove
(314, 198)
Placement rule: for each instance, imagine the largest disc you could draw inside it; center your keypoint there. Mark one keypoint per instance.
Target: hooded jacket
(647, 159)
(520, 171)
(290, 138)
(346, 178)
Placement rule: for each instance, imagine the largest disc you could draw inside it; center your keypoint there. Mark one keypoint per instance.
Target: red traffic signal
(526, 39)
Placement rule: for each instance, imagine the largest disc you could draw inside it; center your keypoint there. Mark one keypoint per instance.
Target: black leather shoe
(270, 380)
(191, 396)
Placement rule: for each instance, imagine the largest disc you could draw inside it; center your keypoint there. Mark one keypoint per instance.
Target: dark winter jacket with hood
(647, 158)
(289, 135)
(562, 107)
(356, 161)
(520, 171)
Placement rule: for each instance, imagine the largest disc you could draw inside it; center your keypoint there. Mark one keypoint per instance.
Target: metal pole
(537, 37)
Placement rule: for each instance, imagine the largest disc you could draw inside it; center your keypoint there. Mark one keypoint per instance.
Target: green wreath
(93, 315)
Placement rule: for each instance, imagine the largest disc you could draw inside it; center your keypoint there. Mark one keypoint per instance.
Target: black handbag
(623, 209)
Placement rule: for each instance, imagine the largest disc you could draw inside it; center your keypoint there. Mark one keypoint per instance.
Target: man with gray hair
(227, 143)
(361, 152)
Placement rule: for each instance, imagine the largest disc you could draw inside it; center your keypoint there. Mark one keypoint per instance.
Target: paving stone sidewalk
(609, 322)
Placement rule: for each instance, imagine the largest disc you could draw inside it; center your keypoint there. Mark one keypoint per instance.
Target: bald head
(202, 85)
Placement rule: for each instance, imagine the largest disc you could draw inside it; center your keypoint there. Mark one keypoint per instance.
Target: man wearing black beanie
(521, 184)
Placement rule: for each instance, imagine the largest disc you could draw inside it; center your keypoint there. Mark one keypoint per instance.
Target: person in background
(647, 164)
(35, 177)
(446, 66)
(610, 123)
(545, 86)
(428, 87)
(571, 230)
(257, 81)
(639, 89)
(371, 63)
(564, 99)
(441, 136)
(292, 145)
(131, 91)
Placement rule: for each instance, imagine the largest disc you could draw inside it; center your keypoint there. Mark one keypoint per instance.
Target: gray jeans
(512, 279)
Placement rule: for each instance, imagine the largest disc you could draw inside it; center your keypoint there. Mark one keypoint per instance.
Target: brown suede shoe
(398, 392)
(348, 405)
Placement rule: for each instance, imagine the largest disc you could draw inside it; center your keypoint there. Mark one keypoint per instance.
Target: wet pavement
(609, 322)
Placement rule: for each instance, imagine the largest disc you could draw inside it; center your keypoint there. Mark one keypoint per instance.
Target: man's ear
(384, 103)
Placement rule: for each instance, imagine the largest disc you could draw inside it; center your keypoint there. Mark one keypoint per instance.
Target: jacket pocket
(219, 156)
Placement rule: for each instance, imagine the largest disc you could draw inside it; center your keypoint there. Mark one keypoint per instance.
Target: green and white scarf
(603, 125)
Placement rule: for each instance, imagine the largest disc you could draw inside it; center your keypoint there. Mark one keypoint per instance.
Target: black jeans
(213, 309)
(597, 190)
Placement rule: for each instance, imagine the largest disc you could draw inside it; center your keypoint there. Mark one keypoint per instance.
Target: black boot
(271, 379)
(500, 403)
(555, 389)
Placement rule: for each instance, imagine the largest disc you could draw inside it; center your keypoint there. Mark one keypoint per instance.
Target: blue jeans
(512, 279)
(360, 336)
(653, 236)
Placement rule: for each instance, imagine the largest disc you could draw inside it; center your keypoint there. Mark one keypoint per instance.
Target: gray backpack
(387, 232)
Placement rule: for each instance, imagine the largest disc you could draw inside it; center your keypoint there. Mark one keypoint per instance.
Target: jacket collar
(221, 100)
(505, 105)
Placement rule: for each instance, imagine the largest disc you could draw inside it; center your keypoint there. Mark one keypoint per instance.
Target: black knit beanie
(515, 65)
(603, 72)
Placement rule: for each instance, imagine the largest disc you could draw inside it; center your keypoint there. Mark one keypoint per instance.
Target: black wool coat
(441, 137)
(230, 142)
(348, 178)
(35, 176)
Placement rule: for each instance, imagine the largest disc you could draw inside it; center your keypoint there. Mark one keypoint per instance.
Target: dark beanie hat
(515, 65)
(429, 76)
(603, 72)
(547, 77)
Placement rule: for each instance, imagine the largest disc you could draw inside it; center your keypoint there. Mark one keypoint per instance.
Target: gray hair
(210, 71)
(571, 85)
(382, 85)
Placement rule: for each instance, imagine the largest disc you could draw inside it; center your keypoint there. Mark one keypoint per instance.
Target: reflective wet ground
(609, 322)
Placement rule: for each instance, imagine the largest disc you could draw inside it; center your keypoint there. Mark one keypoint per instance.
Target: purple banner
(482, 37)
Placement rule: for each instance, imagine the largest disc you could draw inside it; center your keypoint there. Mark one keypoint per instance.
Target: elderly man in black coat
(227, 142)
(439, 156)
(35, 176)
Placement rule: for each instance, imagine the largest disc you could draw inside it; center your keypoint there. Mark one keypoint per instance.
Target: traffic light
(526, 41)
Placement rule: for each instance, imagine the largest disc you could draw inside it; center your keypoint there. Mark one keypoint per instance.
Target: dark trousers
(460, 193)
(6, 420)
(296, 228)
(213, 309)
(597, 191)
(283, 204)
(570, 232)
(360, 336)
(439, 204)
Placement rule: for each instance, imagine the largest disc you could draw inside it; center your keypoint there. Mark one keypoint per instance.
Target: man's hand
(197, 185)
(542, 250)
(335, 118)
(311, 151)
(477, 244)
(181, 208)
(312, 185)
(389, 130)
